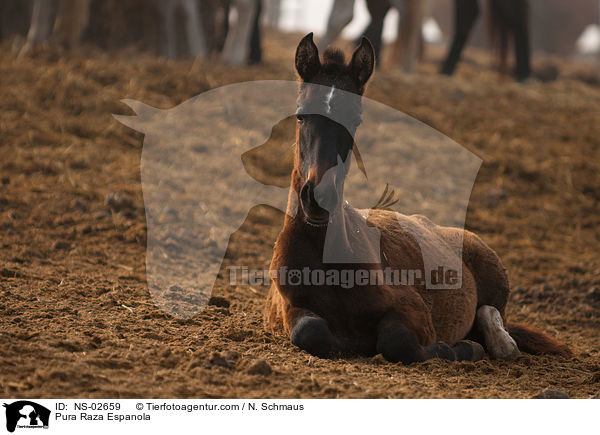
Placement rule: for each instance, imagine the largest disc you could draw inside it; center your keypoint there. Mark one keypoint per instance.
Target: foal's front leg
(398, 343)
(311, 333)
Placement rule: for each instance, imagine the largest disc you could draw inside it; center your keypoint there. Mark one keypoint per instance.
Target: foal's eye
(300, 118)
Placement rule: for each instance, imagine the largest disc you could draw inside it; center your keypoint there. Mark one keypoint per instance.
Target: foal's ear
(307, 58)
(363, 62)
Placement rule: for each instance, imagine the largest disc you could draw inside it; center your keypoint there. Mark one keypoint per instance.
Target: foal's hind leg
(492, 295)
(499, 343)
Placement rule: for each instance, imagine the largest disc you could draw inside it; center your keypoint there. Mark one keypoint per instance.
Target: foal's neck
(347, 238)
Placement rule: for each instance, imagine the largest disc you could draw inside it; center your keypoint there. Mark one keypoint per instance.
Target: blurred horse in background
(65, 19)
(173, 27)
(238, 44)
(193, 27)
(508, 20)
(406, 49)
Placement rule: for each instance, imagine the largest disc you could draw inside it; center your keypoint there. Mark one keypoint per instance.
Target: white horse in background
(237, 45)
(194, 32)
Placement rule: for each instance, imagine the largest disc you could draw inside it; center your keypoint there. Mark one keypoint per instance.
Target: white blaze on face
(328, 99)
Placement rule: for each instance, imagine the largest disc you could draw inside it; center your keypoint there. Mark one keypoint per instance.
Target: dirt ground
(76, 317)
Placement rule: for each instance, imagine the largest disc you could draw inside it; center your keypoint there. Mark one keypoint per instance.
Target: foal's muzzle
(319, 202)
(313, 212)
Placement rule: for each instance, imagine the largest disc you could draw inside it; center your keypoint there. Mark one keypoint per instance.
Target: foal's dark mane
(334, 57)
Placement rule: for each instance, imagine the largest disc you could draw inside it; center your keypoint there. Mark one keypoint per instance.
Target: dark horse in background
(508, 20)
(405, 323)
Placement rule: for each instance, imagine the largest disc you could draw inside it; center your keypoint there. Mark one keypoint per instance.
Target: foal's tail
(535, 342)
(504, 17)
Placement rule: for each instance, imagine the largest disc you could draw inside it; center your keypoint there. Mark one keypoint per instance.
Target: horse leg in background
(41, 23)
(465, 15)
(71, 20)
(272, 13)
(406, 48)
(168, 43)
(208, 11)
(255, 56)
(215, 23)
(237, 44)
(222, 37)
(342, 13)
(518, 20)
(378, 9)
(194, 31)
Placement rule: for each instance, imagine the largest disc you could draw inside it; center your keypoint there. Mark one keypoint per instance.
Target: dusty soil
(76, 317)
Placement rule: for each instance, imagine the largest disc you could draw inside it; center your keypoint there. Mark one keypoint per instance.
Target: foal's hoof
(440, 350)
(505, 349)
(499, 344)
(467, 350)
(400, 346)
(313, 335)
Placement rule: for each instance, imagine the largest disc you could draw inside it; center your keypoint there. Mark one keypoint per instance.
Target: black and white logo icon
(25, 414)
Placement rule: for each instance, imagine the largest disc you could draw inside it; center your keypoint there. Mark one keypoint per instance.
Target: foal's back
(405, 242)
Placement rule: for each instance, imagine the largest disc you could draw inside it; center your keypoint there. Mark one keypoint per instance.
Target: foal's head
(329, 112)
